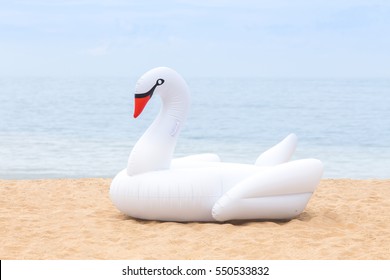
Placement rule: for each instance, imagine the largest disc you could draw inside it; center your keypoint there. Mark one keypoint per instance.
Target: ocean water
(83, 127)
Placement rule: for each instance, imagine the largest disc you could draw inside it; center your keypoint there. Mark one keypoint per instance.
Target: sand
(74, 219)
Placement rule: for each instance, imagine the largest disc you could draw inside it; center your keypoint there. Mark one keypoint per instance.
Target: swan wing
(280, 192)
(279, 153)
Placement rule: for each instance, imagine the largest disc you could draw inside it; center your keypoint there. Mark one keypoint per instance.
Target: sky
(217, 38)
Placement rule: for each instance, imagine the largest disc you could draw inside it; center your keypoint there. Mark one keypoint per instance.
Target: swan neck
(154, 150)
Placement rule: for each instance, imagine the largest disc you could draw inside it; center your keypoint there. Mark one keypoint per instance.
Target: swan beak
(139, 105)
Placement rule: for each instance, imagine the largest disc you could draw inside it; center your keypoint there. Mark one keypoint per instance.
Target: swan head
(161, 81)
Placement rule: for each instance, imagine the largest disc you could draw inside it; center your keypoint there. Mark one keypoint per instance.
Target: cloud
(100, 50)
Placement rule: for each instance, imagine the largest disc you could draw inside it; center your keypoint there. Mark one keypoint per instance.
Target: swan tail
(282, 192)
(280, 153)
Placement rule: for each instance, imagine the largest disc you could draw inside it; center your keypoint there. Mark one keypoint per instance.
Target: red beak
(141, 99)
(139, 105)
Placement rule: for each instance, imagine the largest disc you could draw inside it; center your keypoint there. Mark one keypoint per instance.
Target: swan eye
(160, 82)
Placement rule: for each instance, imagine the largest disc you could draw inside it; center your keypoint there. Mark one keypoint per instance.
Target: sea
(79, 127)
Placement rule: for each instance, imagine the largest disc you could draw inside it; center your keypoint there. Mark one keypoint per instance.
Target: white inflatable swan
(200, 187)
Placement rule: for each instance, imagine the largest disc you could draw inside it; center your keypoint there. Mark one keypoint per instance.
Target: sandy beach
(74, 219)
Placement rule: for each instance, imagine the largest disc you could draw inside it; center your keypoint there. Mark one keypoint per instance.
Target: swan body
(155, 186)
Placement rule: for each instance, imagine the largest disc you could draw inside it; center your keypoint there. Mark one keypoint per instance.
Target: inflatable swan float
(201, 187)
